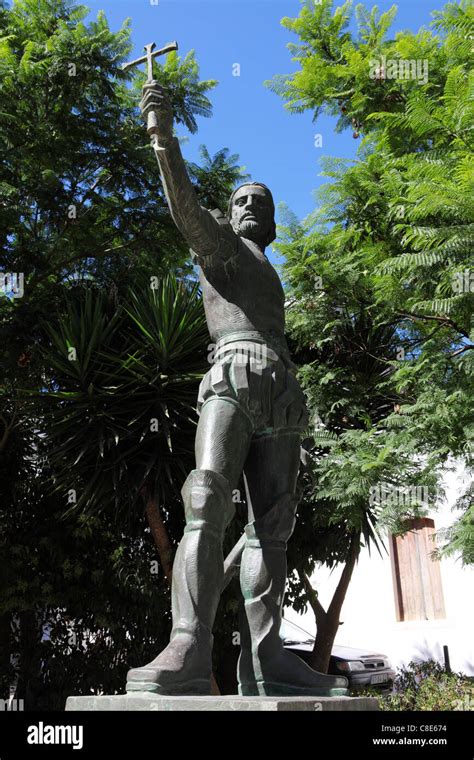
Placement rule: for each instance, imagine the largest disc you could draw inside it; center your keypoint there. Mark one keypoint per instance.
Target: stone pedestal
(152, 702)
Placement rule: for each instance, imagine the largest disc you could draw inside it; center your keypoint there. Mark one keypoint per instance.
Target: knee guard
(207, 502)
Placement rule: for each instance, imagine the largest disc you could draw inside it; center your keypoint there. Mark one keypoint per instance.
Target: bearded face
(252, 214)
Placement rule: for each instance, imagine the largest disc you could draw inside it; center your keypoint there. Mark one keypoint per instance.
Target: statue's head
(251, 212)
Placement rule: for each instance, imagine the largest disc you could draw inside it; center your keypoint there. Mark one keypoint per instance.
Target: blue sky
(276, 147)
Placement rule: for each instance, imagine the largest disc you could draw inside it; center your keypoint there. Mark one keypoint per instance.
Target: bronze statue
(252, 411)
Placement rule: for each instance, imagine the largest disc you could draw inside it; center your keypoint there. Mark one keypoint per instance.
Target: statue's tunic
(244, 305)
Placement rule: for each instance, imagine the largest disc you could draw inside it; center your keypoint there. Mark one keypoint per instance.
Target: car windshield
(290, 632)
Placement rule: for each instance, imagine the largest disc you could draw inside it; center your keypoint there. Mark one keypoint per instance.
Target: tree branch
(159, 533)
(460, 351)
(315, 604)
(444, 320)
(346, 575)
(9, 426)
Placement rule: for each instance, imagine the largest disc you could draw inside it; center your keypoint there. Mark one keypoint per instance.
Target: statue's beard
(250, 229)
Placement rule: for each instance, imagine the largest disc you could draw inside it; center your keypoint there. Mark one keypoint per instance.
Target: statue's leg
(185, 666)
(265, 666)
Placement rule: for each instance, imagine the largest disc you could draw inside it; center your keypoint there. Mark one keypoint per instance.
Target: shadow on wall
(428, 651)
(434, 651)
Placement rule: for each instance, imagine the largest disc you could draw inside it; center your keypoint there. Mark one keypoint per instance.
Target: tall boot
(265, 667)
(185, 665)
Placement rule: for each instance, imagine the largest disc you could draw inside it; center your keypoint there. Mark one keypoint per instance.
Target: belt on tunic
(275, 343)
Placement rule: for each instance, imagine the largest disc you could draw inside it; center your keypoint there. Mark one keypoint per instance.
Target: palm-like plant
(217, 177)
(120, 399)
(180, 77)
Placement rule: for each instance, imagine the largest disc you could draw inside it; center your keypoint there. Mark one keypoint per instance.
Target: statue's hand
(157, 111)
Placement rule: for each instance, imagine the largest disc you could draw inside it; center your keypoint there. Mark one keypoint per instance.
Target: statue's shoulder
(220, 217)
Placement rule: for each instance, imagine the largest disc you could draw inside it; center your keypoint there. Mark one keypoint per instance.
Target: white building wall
(369, 609)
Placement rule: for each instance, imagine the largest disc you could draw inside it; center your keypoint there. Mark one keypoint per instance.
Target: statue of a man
(252, 411)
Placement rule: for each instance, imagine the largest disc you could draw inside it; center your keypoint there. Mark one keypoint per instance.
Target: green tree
(379, 281)
(217, 177)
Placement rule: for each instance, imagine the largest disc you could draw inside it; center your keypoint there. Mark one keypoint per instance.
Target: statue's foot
(183, 668)
(285, 674)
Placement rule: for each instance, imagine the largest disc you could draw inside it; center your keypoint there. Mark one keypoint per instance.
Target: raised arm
(197, 225)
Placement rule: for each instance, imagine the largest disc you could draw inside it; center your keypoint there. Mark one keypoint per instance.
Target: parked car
(362, 668)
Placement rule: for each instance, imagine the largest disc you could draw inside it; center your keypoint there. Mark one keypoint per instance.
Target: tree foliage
(122, 386)
(380, 280)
